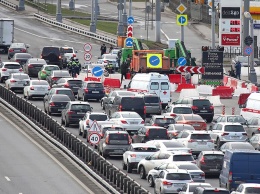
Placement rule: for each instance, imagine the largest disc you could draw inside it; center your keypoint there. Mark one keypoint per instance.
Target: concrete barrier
(215, 100)
(9, 4)
(205, 89)
(239, 91)
(189, 93)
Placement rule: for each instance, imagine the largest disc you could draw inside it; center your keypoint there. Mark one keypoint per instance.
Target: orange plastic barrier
(113, 83)
(92, 79)
(176, 78)
(223, 92)
(184, 86)
(225, 80)
(128, 76)
(254, 88)
(244, 85)
(233, 83)
(242, 98)
(226, 87)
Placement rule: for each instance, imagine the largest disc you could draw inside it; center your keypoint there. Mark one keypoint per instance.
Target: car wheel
(124, 165)
(85, 98)
(80, 133)
(62, 121)
(84, 134)
(102, 105)
(142, 172)
(78, 96)
(129, 167)
(29, 97)
(150, 180)
(66, 124)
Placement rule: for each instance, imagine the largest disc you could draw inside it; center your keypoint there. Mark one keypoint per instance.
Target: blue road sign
(182, 61)
(129, 42)
(256, 26)
(130, 20)
(182, 20)
(97, 71)
(154, 60)
(248, 50)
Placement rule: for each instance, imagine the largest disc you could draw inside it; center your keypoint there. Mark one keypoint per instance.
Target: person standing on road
(124, 70)
(103, 49)
(119, 55)
(238, 69)
(111, 48)
(187, 77)
(78, 66)
(69, 66)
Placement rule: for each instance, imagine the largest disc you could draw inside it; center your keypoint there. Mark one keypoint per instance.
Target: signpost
(87, 47)
(248, 50)
(97, 71)
(182, 61)
(130, 20)
(182, 20)
(191, 69)
(94, 138)
(87, 56)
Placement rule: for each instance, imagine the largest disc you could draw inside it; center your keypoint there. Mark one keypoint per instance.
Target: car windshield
(237, 119)
(252, 190)
(61, 74)
(132, 102)
(67, 50)
(21, 76)
(40, 83)
(132, 115)
(200, 136)
(151, 99)
(12, 66)
(234, 128)
(62, 98)
(193, 118)
(188, 167)
(201, 102)
(98, 117)
(51, 68)
(84, 107)
(164, 120)
(95, 85)
(213, 157)
(243, 59)
(67, 92)
(183, 158)
(177, 176)
(182, 110)
(172, 144)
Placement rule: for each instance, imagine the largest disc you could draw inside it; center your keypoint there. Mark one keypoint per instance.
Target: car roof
(153, 127)
(35, 80)
(180, 105)
(177, 171)
(60, 95)
(234, 143)
(250, 184)
(135, 145)
(229, 123)
(51, 66)
(61, 89)
(117, 132)
(78, 102)
(177, 153)
(19, 74)
(230, 115)
(213, 188)
(93, 82)
(6, 63)
(97, 113)
(180, 124)
(37, 59)
(126, 112)
(198, 183)
(212, 152)
(196, 132)
(162, 116)
(110, 125)
(71, 78)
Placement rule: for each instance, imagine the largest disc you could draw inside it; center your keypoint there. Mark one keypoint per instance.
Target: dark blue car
(91, 90)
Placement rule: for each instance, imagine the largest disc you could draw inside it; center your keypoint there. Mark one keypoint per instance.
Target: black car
(148, 133)
(21, 58)
(73, 83)
(200, 106)
(66, 91)
(56, 75)
(162, 121)
(91, 90)
(56, 103)
(126, 103)
(73, 112)
(52, 55)
(33, 66)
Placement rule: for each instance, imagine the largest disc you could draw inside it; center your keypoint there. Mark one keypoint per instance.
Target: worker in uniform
(77, 66)
(69, 66)
(73, 68)
(109, 68)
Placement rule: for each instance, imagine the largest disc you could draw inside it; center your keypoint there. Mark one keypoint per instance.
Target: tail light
(191, 140)
(66, 85)
(52, 104)
(30, 66)
(223, 134)
(130, 141)
(202, 174)
(147, 133)
(258, 129)
(142, 122)
(74, 55)
(59, 57)
(87, 122)
(20, 69)
(202, 160)
(204, 126)
(44, 72)
(17, 60)
(4, 69)
(70, 112)
(54, 78)
(12, 81)
(120, 108)
(230, 177)
(194, 108)
(133, 155)
(123, 121)
(244, 134)
(155, 124)
(173, 115)
(144, 109)
(23, 50)
(166, 183)
(11, 50)
(31, 88)
(50, 88)
(211, 107)
(107, 139)
(86, 90)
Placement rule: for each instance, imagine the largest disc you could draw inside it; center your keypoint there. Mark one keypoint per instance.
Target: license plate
(196, 177)
(203, 111)
(75, 87)
(214, 170)
(80, 113)
(41, 89)
(234, 137)
(60, 109)
(133, 123)
(118, 151)
(20, 82)
(95, 91)
(202, 143)
(178, 184)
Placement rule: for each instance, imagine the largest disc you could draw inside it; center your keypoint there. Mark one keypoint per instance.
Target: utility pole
(92, 22)
(125, 17)
(213, 21)
(158, 21)
(245, 23)
(120, 26)
(58, 11)
(72, 5)
(21, 5)
(152, 16)
(130, 8)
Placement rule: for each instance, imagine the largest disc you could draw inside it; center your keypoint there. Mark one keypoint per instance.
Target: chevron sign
(190, 69)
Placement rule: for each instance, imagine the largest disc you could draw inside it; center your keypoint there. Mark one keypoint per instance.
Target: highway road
(38, 35)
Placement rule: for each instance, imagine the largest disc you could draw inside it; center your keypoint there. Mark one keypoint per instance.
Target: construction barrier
(233, 83)
(205, 89)
(223, 110)
(225, 80)
(176, 78)
(233, 110)
(128, 75)
(242, 99)
(215, 100)
(113, 83)
(92, 79)
(223, 92)
(184, 86)
(189, 93)
(239, 91)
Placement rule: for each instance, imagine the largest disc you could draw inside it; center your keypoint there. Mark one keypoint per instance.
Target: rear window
(216, 192)
(164, 120)
(193, 187)
(39, 61)
(37, 64)
(12, 66)
(39, 83)
(213, 157)
(17, 45)
(112, 129)
(98, 117)
(118, 136)
(83, 107)
(126, 93)
(172, 144)
(60, 98)
(158, 132)
(201, 103)
(200, 136)
(151, 99)
(188, 167)
(21, 77)
(182, 110)
(183, 158)
(193, 117)
(146, 149)
(178, 176)
(23, 55)
(78, 82)
(95, 85)
(252, 190)
(242, 146)
(48, 50)
(237, 119)
(67, 50)
(184, 127)
(130, 115)
(234, 128)
(132, 102)
(61, 74)
(51, 68)
(67, 92)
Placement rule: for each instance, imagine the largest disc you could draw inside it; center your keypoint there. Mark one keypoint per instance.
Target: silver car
(16, 81)
(35, 88)
(107, 59)
(7, 68)
(17, 48)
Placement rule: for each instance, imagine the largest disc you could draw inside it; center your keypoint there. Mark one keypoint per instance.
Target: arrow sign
(197, 70)
(129, 42)
(97, 71)
(182, 61)
(130, 20)
(130, 34)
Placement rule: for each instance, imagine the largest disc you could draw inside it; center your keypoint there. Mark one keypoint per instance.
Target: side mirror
(156, 168)
(148, 158)
(155, 176)
(179, 189)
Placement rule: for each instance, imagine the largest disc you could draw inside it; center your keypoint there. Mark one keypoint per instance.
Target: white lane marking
(20, 193)
(7, 178)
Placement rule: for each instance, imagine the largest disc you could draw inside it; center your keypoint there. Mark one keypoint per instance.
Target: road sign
(148, 9)
(154, 60)
(256, 26)
(181, 8)
(120, 6)
(87, 47)
(248, 50)
(129, 31)
(130, 20)
(182, 61)
(97, 71)
(182, 20)
(94, 127)
(191, 69)
(94, 138)
(248, 40)
(87, 56)
(129, 42)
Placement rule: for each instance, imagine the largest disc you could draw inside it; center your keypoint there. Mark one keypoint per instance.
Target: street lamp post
(252, 74)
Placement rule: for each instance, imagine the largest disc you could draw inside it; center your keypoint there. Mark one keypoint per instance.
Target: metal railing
(102, 170)
(8, 4)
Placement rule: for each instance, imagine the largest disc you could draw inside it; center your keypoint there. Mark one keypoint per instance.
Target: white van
(152, 83)
(251, 107)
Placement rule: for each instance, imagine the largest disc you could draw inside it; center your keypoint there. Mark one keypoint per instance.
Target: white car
(127, 119)
(35, 88)
(7, 68)
(247, 188)
(189, 188)
(16, 81)
(169, 145)
(197, 141)
(115, 51)
(173, 110)
(135, 153)
(108, 59)
(67, 53)
(87, 121)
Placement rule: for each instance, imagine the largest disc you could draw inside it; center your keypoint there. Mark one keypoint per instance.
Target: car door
(153, 162)
(64, 111)
(254, 141)
(157, 181)
(253, 125)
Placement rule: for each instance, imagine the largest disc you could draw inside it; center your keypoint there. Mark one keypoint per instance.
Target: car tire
(66, 124)
(150, 180)
(84, 98)
(78, 96)
(142, 172)
(129, 167)
(124, 165)
(80, 133)
(62, 121)
(84, 134)
(102, 105)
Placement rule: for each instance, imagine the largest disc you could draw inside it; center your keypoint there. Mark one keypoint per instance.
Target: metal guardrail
(8, 4)
(80, 31)
(102, 170)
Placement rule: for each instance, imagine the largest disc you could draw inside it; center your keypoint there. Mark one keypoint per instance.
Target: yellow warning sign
(154, 60)
(181, 8)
